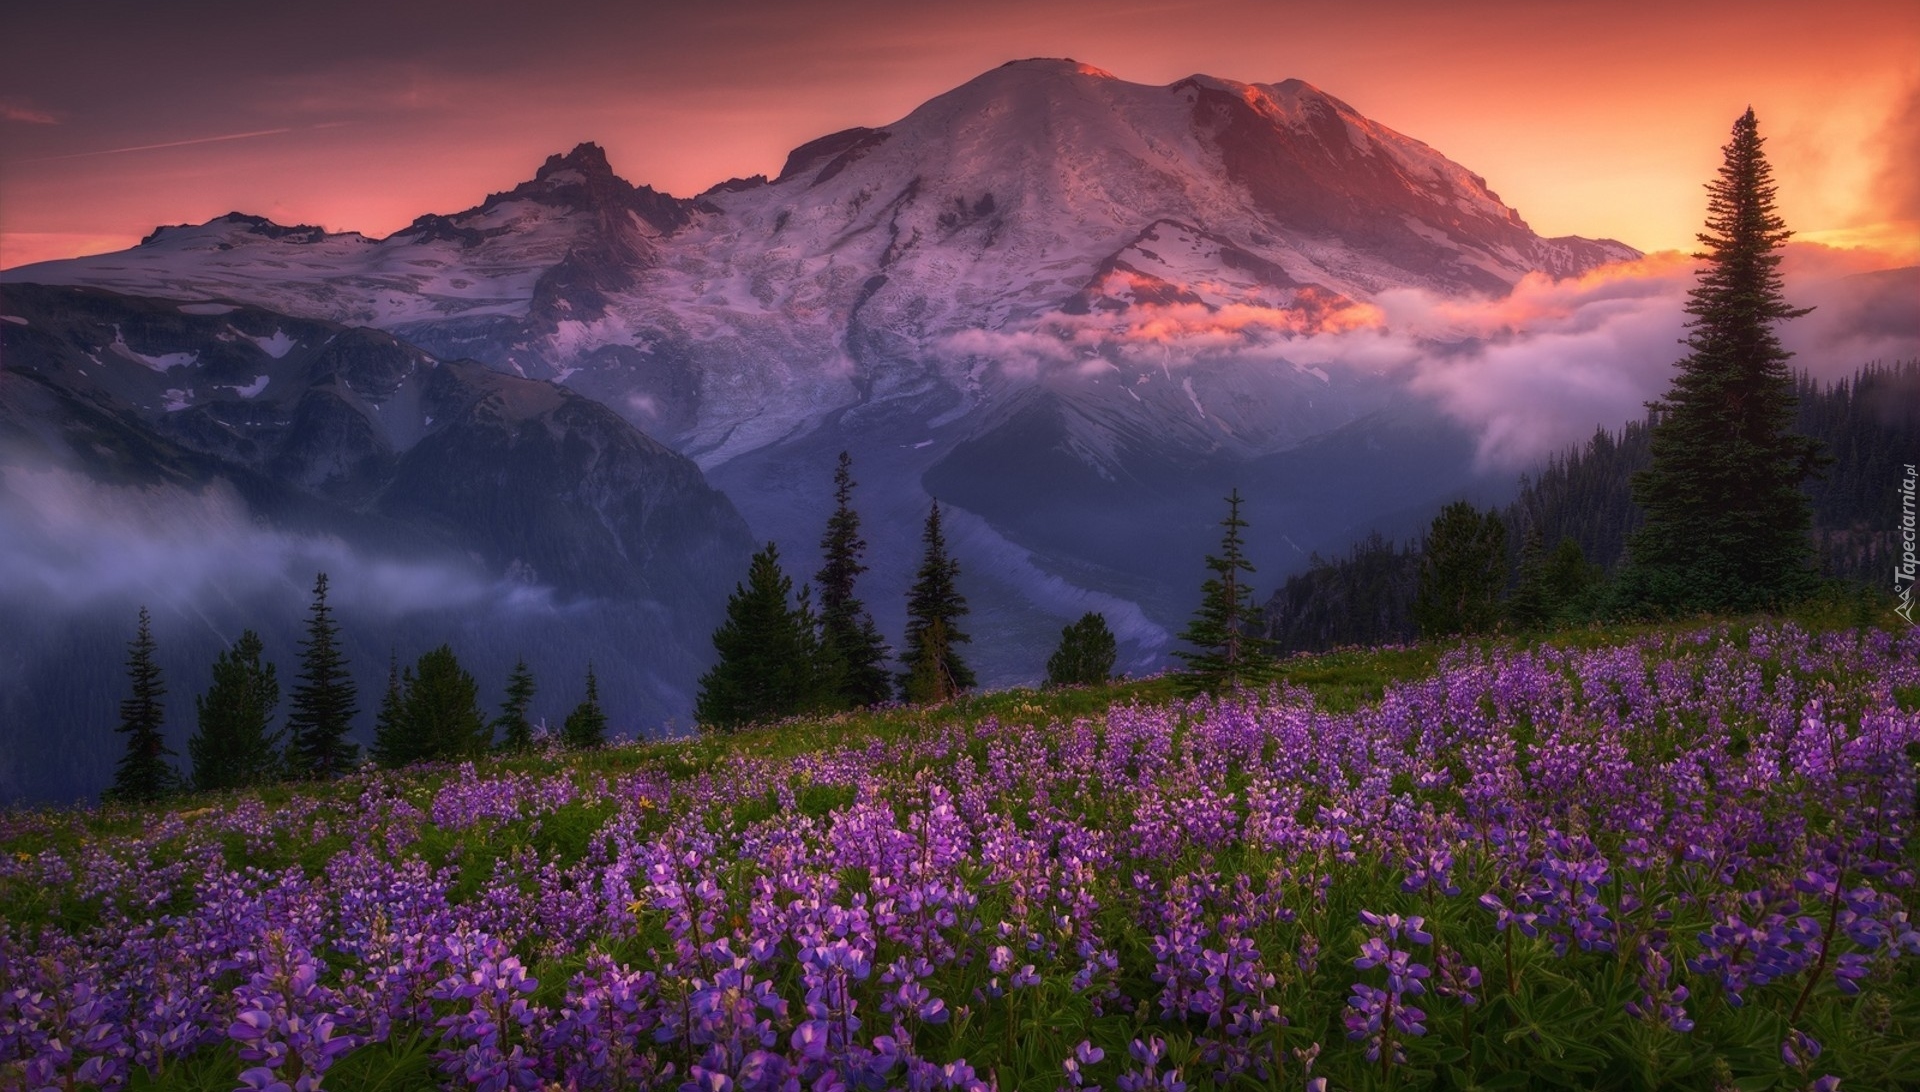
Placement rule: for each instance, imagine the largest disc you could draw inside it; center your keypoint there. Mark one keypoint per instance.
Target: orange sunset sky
(1591, 119)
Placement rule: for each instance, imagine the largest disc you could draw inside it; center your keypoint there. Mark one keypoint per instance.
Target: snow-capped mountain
(1034, 293)
(1039, 191)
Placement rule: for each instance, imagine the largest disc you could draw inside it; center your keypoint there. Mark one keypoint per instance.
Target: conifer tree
(769, 657)
(1727, 523)
(1530, 608)
(1463, 570)
(232, 747)
(1228, 656)
(443, 709)
(1085, 655)
(586, 726)
(935, 671)
(323, 703)
(143, 773)
(852, 651)
(516, 731)
(1572, 582)
(394, 745)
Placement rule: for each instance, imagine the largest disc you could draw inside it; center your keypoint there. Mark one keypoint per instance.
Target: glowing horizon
(1601, 125)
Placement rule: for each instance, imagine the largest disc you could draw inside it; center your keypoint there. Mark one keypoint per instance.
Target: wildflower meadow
(1680, 859)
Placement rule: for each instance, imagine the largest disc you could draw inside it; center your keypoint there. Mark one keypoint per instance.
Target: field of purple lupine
(1681, 860)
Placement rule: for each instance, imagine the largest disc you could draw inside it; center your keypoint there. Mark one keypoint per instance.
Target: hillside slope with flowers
(1673, 858)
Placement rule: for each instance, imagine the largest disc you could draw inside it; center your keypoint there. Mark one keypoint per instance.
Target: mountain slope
(208, 457)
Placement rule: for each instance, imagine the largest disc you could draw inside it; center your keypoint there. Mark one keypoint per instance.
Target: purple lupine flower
(1660, 1000)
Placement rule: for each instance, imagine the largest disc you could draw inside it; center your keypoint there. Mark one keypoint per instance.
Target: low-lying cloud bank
(1530, 372)
(1541, 368)
(68, 542)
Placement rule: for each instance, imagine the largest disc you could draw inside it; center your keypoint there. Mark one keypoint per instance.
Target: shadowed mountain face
(209, 458)
(1059, 300)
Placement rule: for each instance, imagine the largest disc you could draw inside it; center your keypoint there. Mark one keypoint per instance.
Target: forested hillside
(1869, 424)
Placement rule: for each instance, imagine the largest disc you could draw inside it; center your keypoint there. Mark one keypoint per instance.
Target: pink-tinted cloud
(1530, 372)
(1538, 370)
(15, 110)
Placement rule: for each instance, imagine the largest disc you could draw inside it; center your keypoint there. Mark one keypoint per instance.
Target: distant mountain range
(972, 300)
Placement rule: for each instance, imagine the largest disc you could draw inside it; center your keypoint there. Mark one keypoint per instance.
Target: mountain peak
(587, 158)
(253, 225)
(1062, 66)
(583, 180)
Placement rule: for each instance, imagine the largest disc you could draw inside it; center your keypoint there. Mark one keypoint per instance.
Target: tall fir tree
(935, 671)
(1227, 655)
(1529, 608)
(232, 747)
(143, 773)
(394, 744)
(1463, 571)
(1727, 523)
(769, 664)
(1085, 655)
(586, 726)
(516, 731)
(852, 651)
(322, 706)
